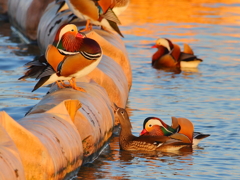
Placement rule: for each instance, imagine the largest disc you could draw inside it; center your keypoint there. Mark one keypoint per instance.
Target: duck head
(167, 55)
(154, 126)
(68, 40)
(164, 42)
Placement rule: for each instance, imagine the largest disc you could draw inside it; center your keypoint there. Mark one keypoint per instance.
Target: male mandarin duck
(153, 126)
(98, 12)
(129, 142)
(170, 55)
(71, 56)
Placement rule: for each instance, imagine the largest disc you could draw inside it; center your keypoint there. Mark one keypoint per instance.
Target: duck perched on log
(72, 55)
(153, 126)
(129, 142)
(169, 55)
(98, 12)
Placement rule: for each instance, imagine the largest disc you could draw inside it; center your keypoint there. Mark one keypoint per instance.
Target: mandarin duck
(129, 142)
(153, 126)
(98, 12)
(170, 55)
(120, 6)
(72, 55)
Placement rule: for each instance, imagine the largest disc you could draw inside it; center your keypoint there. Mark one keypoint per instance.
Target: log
(10, 161)
(3, 6)
(25, 15)
(67, 128)
(49, 145)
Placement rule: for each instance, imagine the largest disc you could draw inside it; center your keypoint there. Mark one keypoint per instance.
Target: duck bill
(80, 35)
(144, 132)
(154, 46)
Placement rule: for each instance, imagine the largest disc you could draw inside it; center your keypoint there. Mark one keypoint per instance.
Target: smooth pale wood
(94, 120)
(54, 126)
(33, 16)
(10, 161)
(59, 135)
(110, 75)
(49, 144)
(32, 152)
(25, 15)
(114, 48)
(3, 6)
(12, 11)
(72, 106)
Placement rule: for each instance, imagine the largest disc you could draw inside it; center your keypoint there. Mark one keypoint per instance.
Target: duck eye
(72, 30)
(122, 112)
(149, 125)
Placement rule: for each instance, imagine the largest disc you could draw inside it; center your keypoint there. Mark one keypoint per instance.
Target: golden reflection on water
(196, 11)
(153, 17)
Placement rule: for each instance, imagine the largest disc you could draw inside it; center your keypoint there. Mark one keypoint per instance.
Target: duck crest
(170, 45)
(62, 30)
(155, 126)
(164, 42)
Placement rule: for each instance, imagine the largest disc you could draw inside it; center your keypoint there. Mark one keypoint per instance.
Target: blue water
(209, 96)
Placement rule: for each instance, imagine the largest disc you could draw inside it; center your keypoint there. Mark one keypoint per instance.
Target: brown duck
(169, 55)
(153, 126)
(129, 142)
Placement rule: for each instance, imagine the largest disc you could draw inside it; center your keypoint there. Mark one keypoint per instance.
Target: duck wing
(188, 57)
(199, 135)
(37, 68)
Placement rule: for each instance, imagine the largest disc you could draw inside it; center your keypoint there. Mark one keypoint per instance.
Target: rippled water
(209, 96)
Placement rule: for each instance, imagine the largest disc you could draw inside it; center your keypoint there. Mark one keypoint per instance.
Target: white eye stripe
(164, 43)
(154, 122)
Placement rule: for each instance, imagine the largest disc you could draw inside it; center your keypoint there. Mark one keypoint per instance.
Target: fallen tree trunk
(67, 128)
